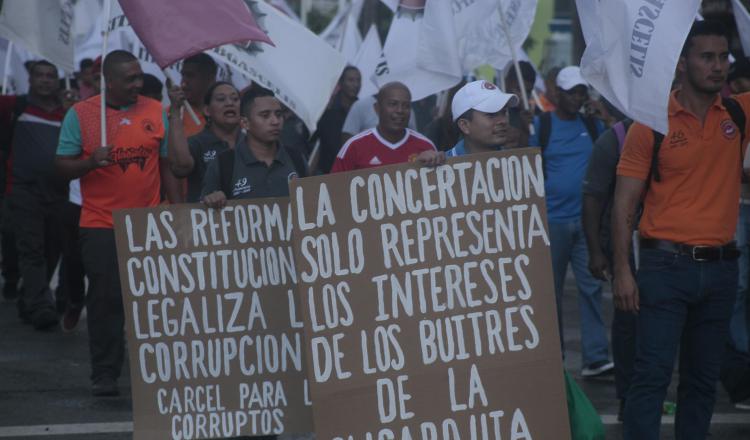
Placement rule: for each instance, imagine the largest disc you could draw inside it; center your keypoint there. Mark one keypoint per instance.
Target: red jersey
(368, 149)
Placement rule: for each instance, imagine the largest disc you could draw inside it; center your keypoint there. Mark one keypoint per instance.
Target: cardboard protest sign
(428, 301)
(215, 340)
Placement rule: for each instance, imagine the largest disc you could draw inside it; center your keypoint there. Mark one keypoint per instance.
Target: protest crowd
(660, 218)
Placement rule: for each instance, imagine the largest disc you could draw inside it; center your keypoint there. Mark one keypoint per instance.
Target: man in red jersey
(391, 142)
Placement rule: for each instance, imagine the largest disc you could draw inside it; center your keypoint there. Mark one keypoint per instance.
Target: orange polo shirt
(697, 200)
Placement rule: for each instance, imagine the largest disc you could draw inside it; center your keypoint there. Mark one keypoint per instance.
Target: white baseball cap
(570, 77)
(480, 95)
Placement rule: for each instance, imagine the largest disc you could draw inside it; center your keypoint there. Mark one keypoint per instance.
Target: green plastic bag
(585, 423)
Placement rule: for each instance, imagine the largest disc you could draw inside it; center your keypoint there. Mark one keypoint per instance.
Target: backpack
(545, 128)
(738, 117)
(226, 167)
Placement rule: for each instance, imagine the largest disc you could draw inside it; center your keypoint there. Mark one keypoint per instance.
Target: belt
(698, 253)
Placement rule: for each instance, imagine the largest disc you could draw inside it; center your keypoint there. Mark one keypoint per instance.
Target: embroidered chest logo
(148, 126)
(124, 157)
(241, 187)
(728, 129)
(208, 156)
(677, 139)
(125, 121)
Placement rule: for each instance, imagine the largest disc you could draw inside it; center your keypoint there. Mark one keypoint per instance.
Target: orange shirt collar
(675, 107)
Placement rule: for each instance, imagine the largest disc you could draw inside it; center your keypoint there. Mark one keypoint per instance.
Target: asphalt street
(45, 394)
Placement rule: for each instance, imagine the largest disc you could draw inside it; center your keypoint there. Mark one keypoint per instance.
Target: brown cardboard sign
(428, 301)
(212, 321)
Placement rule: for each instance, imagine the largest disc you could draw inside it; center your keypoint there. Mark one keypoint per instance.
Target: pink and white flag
(175, 30)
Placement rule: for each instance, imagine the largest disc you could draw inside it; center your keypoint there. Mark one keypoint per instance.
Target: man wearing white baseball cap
(567, 140)
(480, 110)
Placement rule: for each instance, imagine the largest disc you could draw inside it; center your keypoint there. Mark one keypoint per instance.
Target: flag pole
(8, 55)
(187, 105)
(102, 85)
(519, 76)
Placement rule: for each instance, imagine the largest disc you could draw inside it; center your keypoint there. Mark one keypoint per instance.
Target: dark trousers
(106, 317)
(36, 226)
(684, 305)
(71, 289)
(624, 325)
(10, 271)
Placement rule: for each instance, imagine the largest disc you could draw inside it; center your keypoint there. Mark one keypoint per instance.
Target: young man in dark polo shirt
(260, 166)
(687, 278)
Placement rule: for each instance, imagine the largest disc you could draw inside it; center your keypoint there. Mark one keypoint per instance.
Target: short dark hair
(151, 85)
(527, 72)
(115, 58)
(35, 64)
(347, 69)
(85, 63)
(704, 28)
(251, 95)
(389, 86)
(204, 62)
(212, 89)
(468, 115)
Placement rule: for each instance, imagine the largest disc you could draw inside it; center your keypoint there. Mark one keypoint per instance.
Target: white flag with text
(632, 49)
(301, 69)
(367, 61)
(42, 27)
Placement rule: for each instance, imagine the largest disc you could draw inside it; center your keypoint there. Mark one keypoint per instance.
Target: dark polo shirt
(252, 178)
(204, 147)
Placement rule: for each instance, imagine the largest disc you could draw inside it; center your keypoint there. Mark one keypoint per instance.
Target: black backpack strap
(545, 128)
(226, 170)
(737, 114)
(654, 171)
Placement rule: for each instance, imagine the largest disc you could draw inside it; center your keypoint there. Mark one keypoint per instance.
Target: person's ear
(463, 126)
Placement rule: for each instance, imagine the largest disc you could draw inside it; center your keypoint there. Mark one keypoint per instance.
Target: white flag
(632, 49)
(43, 27)
(301, 69)
(17, 76)
(351, 40)
(334, 32)
(400, 61)
(284, 7)
(367, 60)
(457, 38)
(742, 18)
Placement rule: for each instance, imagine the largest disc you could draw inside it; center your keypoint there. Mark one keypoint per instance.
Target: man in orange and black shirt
(687, 280)
(127, 173)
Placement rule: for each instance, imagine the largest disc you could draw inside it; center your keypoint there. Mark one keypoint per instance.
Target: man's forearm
(73, 167)
(623, 222)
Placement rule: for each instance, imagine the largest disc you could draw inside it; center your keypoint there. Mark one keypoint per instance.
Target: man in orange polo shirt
(126, 173)
(687, 280)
